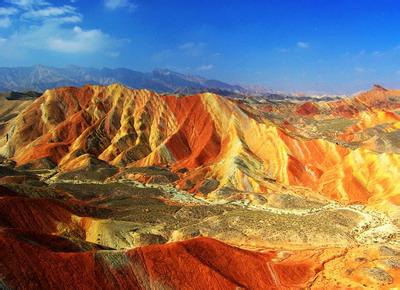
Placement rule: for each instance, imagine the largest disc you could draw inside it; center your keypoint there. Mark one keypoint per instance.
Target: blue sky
(339, 46)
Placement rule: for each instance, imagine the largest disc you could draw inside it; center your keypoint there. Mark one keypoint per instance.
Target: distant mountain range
(40, 78)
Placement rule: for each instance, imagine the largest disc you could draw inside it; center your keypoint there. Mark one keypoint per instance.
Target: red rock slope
(214, 137)
(34, 261)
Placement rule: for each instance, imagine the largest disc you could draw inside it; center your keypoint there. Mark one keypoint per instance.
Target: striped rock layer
(211, 137)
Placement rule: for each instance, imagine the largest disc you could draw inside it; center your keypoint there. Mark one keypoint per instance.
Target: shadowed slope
(38, 215)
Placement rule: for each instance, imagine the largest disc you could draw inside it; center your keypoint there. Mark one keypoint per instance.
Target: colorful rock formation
(212, 137)
(113, 188)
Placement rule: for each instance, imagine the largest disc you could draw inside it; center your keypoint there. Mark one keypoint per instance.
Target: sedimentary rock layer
(206, 136)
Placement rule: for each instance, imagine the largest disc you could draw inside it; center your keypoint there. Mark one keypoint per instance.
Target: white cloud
(39, 10)
(28, 4)
(8, 11)
(60, 14)
(205, 67)
(68, 19)
(52, 37)
(50, 11)
(40, 25)
(5, 22)
(302, 44)
(78, 41)
(117, 4)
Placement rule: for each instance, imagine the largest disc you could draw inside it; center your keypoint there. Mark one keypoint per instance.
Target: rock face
(95, 235)
(113, 188)
(242, 146)
(200, 263)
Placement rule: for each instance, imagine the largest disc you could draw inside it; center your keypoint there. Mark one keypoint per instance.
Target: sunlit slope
(205, 136)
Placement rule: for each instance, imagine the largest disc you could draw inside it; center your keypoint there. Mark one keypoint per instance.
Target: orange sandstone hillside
(41, 244)
(215, 144)
(113, 188)
(42, 261)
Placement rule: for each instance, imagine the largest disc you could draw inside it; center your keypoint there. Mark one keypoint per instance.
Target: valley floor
(128, 235)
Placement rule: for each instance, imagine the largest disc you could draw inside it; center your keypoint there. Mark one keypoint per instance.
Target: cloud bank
(27, 25)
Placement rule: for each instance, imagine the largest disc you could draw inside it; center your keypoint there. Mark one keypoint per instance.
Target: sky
(323, 46)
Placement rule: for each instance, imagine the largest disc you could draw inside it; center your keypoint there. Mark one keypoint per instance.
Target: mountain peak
(41, 78)
(377, 87)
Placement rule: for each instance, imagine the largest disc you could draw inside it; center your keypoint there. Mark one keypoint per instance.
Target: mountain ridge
(146, 189)
(40, 78)
(215, 138)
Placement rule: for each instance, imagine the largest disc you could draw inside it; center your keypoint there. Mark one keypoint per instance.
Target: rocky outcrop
(206, 136)
(36, 262)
